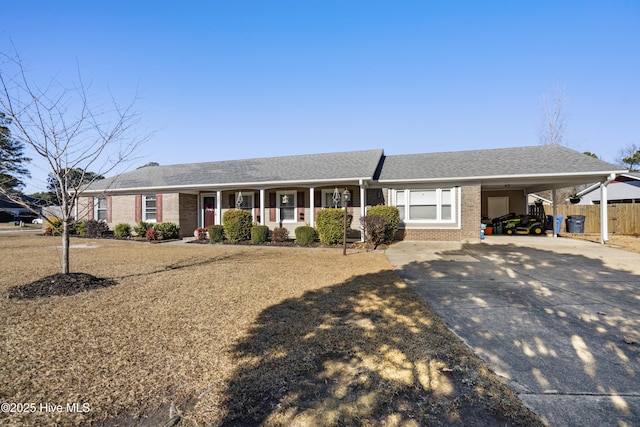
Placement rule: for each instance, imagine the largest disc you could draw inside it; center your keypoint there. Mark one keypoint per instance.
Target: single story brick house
(441, 196)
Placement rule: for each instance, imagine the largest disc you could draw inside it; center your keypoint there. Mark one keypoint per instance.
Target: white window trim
(96, 208)
(328, 191)
(407, 198)
(279, 195)
(144, 207)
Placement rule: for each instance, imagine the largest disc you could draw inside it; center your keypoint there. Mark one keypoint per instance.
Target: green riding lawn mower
(524, 224)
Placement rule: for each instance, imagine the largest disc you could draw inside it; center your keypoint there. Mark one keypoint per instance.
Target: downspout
(604, 211)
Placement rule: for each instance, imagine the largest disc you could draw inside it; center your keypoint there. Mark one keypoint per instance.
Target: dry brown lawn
(628, 243)
(233, 335)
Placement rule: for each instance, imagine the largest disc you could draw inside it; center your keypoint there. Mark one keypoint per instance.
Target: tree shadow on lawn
(365, 352)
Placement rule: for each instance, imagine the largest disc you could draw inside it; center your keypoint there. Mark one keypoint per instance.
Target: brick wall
(471, 215)
(188, 220)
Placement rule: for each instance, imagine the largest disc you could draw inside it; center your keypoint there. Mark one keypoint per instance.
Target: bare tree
(629, 157)
(69, 131)
(554, 116)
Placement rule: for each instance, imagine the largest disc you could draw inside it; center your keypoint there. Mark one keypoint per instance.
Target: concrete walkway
(559, 319)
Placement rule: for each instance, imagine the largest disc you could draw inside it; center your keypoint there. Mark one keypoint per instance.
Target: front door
(209, 210)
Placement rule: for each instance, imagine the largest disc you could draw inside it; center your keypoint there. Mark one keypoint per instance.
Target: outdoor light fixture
(239, 200)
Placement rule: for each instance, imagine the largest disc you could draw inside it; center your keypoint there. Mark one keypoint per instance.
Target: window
(100, 209)
(149, 208)
(327, 198)
(246, 201)
(434, 205)
(286, 206)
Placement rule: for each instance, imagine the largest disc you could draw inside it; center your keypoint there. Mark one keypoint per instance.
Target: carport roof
(545, 165)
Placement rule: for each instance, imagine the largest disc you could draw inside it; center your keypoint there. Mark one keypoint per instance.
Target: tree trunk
(65, 235)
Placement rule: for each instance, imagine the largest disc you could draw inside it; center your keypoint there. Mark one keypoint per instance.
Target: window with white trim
(327, 198)
(433, 205)
(100, 209)
(286, 206)
(149, 208)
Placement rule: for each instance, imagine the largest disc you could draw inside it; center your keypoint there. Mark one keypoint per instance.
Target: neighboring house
(624, 189)
(10, 210)
(441, 196)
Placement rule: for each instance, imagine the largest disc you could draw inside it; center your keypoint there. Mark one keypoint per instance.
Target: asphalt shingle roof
(338, 166)
(518, 161)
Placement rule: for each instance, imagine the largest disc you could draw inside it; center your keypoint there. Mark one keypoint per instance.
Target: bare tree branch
(66, 129)
(552, 129)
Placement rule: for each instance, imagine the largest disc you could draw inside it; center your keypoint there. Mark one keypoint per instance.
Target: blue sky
(241, 79)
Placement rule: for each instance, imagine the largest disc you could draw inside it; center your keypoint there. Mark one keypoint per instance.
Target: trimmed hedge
(259, 234)
(305, 235)
(216, 233)
(237, 225)
(330, 225)
(392, 217)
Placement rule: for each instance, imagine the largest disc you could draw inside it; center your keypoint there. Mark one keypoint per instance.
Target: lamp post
(346, 196)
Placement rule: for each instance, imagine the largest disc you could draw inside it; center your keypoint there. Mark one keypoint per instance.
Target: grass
(234, 335)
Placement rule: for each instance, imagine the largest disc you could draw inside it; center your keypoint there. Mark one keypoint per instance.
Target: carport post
(555, 212)
(604, 211)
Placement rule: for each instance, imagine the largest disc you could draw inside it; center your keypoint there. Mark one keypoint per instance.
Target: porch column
(312, 204)
(604, 217)
(219, 207)
(363, 208)
(262, 206)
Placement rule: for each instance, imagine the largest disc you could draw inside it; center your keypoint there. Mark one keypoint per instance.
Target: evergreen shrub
(259, 234)
(216, 233)
(237, 225)
(122, 230)
(330, 225)
(305, 235)
(167, 230)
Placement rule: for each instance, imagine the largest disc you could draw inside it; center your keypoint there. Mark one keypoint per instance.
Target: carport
(501, 195)
(470, 179)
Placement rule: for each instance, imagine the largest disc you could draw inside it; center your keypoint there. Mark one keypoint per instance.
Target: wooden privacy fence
(623, 217)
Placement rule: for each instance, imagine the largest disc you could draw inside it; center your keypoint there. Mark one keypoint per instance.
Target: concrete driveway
(559, 319)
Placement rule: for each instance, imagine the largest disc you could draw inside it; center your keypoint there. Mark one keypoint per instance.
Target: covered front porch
(289, 207)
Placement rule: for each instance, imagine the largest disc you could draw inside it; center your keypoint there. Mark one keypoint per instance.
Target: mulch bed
(60, 285)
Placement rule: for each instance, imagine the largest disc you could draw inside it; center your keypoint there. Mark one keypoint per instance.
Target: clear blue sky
(237, 79)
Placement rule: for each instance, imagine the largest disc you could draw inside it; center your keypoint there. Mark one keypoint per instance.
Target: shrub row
(95, 229)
